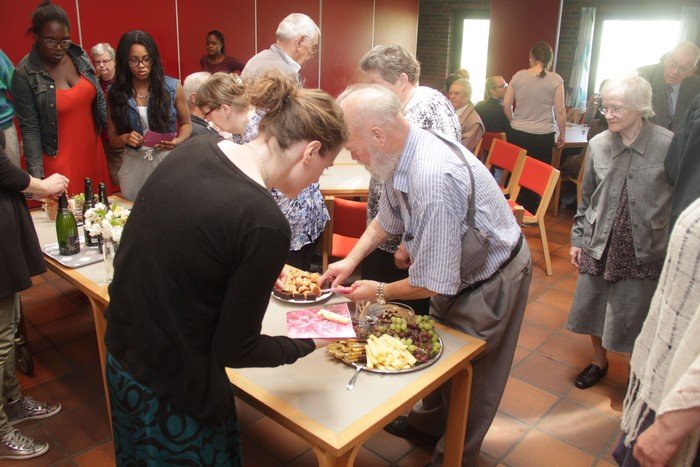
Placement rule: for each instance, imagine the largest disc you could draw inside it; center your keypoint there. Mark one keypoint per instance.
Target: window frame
(603, 15)
(458, 18)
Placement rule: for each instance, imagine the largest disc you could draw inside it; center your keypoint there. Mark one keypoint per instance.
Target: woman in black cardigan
(20, 259)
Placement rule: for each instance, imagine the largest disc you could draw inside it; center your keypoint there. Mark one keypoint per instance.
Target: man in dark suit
(682, 162)
(674, 84)
(491, 109)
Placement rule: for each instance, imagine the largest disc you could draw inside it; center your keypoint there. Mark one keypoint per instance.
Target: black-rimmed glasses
(135, 61)
(53, 43)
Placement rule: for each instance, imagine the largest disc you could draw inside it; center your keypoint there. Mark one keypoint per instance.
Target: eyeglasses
(53, 43)
(616, 111)
(135, 61)
(101, 62)
(314, 46)
(207, 114)
(671, 64)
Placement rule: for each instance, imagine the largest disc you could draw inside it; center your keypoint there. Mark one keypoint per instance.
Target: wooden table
(576, 137)
(309, 397)
(345, 179)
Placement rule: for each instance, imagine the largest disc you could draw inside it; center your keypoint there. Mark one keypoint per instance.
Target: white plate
(322, 298)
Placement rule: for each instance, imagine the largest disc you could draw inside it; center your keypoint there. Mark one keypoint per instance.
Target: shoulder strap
(471, 211)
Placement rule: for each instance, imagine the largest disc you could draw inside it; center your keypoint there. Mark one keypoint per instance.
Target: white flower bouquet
(107, 222)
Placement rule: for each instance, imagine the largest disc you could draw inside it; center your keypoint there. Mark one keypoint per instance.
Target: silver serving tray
(418, 367)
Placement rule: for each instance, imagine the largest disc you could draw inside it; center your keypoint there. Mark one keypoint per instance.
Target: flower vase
(109, 249)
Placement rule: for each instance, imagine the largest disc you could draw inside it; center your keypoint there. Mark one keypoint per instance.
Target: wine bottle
(66, 229)
(89, 203)
(102, 187)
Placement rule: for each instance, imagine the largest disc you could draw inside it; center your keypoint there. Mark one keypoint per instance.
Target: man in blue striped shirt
(426, 195)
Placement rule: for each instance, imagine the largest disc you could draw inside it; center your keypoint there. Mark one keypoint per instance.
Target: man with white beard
(427, 192)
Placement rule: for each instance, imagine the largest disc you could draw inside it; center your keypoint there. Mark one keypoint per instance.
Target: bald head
(376, 126)
(495, 87)
(680, 63)
(369, 105)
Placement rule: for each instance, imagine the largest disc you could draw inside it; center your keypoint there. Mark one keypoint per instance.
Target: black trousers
(539, 147)
(379, 266)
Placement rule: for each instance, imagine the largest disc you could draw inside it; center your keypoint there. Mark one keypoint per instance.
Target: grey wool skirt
(614, 311)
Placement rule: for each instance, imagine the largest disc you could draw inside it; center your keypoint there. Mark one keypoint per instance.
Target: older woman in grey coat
(621, 228)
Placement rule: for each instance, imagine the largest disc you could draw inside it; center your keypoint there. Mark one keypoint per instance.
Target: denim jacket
(34, 96)
(132, 113)
(641, 165)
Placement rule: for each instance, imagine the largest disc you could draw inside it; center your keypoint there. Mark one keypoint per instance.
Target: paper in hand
(151, 138)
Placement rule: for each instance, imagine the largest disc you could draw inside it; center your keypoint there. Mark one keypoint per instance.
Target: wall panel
(236, 20)
(347, 36)
(271, 12)
(106, 23)
(396, 22)
(16, 19)
(515, 29)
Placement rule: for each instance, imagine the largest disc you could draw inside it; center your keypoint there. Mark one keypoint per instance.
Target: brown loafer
(590, 376)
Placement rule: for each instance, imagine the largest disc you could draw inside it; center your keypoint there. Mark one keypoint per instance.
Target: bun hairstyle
(222, 88)
(45, 13)
(542, 52)
(294, 114)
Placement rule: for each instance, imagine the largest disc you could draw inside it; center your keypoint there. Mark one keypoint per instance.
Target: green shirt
(7, 110)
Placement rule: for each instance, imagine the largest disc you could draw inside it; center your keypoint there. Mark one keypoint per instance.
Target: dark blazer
(690, 87)
(682, 162)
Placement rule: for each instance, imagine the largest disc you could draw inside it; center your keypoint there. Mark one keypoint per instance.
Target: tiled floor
(543, 420)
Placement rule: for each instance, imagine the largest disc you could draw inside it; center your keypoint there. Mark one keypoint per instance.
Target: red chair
(485, 144)
(508, 157)
(540, 178)
(347, 224)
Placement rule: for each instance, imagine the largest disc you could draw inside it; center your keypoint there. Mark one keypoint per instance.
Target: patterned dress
(613, 294)
(307, 214)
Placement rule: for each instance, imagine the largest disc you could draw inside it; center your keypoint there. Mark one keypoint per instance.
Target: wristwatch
(381, 299)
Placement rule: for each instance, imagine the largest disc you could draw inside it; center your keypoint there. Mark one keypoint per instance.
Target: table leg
(457, 418)
(326, 459)
(98, 310)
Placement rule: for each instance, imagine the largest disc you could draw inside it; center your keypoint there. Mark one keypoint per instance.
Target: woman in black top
(198, 258)
(21, 259)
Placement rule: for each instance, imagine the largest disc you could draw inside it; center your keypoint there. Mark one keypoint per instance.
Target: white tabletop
(315, 384)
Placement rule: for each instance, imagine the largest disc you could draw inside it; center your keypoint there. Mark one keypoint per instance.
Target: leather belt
(513, 254)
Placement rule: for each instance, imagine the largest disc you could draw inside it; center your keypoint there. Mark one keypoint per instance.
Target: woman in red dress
(59, 103)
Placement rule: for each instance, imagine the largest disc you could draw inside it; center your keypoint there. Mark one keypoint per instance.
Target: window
(626, 45)
(475, 45)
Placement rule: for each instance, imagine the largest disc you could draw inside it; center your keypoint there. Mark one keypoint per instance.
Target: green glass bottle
(89, 203)
(66, 229)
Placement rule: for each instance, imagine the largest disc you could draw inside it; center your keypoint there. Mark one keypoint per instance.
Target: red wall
(515, 27)
(348, 29)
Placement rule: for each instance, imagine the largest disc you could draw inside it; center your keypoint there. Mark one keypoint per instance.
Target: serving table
(309, 397)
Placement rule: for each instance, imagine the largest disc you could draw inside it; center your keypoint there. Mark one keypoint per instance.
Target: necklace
(141, 96)
(266, 174)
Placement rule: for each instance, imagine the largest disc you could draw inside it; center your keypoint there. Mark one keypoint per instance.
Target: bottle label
(72, 245)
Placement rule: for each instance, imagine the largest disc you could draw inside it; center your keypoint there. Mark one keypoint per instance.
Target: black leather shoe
(401, 428)
(590, 376)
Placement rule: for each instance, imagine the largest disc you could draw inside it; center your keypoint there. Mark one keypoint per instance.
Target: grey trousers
(494, 313)
(9, 320)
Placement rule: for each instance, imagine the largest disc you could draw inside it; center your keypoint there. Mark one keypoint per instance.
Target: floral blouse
(427, 109)
(307, 214)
